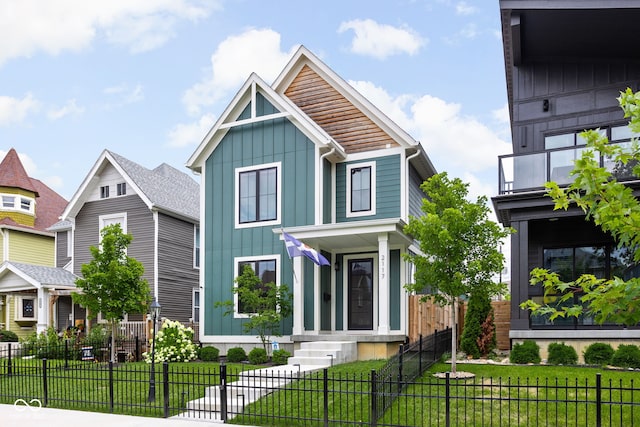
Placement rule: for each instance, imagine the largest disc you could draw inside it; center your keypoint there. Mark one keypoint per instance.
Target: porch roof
(36, 276)
(350, 236)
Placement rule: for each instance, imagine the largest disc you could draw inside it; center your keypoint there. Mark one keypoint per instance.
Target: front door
(360, 305)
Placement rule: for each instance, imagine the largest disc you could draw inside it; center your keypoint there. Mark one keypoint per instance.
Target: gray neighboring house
(159, 208)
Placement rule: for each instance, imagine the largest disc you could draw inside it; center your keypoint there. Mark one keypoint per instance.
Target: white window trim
(239, 260)
(195, 318)
(17, 203)
(118, 187)
(18, 308)
(345, 291)
(69, 243)
(236, 208)
(103, 218)
(371, 211)
(196, 248)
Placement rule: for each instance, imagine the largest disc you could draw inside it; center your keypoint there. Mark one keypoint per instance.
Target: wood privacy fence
(426, 317)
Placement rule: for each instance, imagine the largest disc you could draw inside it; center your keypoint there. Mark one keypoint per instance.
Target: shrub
(280, 357)
(478, 337)
(236, 355)
(209, 354)
(527, 352)
(258, 356)
(626, 356)
(562, 354)
(46, 344)
(8, 336)
(173, 343)
(598, 354)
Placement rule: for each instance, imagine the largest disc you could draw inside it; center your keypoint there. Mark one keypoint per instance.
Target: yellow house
(27, 209)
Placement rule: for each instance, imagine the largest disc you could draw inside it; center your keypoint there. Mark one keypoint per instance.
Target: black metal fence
(327, 397)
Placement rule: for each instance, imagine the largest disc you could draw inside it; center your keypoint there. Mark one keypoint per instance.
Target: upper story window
(196, 246)
(18, 203)
(361, 189)
(121, 189)
(104, 192)
(258, 195)
(265, 267)
(195, 305)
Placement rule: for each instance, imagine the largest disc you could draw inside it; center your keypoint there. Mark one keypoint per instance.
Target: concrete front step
(325, 353)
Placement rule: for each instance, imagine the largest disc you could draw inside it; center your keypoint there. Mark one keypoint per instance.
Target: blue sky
(148, 78)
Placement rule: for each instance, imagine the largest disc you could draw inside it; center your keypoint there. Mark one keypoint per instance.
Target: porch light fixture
(154, 310)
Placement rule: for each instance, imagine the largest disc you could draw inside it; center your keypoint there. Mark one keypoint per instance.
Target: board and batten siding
(416, 195)
(387, 188)
(140, 225)
(177, 276)
(580, 95)
(270, 141)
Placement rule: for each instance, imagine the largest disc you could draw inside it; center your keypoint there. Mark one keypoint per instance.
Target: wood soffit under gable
(337, 116)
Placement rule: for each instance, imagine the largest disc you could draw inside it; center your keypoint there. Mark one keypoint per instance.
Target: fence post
(66, 354)
(325, 391)
(45, 386)
(447, 403)
(374, 399)
(111, 396)
(137, 349)
(420, 354)
(165, 387)
(9, 363)
(435, 345)
(400, 359)
(223, 392)
(598, 399)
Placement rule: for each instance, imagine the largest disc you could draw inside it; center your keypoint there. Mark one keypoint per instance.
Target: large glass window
(257, 193)
(571, 263)
(265, 269)
(361, 189)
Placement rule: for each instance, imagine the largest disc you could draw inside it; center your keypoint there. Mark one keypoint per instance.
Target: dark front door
(361, 294)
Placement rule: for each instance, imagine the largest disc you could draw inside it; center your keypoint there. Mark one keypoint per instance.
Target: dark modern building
(566, 62)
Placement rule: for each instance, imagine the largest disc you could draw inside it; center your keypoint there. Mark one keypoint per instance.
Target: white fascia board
(20, 274)
(129, 181)
(349, 227)
(77, 201)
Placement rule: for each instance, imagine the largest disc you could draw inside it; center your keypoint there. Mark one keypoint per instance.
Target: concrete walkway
(22, 416)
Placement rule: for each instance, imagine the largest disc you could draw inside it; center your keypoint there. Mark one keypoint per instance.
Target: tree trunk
(453, 335)
(114, 330)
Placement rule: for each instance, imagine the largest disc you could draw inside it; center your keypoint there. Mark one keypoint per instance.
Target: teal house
(310, 156)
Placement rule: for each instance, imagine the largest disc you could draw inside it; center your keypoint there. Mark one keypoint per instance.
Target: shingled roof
(45, 276)
(49, 204)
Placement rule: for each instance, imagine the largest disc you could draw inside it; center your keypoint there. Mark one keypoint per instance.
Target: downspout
(318, 292)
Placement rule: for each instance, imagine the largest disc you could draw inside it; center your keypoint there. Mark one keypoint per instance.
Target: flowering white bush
(174, 343)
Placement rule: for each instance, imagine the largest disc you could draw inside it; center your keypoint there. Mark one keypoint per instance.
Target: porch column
(298, 297)
(383, 284)
(42, 310)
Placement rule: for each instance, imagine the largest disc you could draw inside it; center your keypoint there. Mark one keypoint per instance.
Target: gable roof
(164, 188)
(39, 275)
(49, 204)
(325, 107)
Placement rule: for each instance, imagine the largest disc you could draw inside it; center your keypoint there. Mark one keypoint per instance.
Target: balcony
(529, 172)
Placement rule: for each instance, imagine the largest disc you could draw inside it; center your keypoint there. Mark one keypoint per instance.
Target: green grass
(538, 395)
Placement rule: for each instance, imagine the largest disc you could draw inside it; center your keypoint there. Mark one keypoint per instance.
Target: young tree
(112, 282)
(459, 246)
(612, 206)
(266, 305)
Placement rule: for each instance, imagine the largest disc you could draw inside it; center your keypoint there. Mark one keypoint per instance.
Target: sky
(148, 78)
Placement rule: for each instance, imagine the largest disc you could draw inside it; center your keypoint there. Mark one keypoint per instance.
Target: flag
(296, 248)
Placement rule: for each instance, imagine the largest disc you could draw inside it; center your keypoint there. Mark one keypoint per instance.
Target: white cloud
(70, 108)
(502, 114)
(123, 95)
(468, 32)
(463, 8)
(381, 41)
(183, 135)
(14, 110)
(255, 50)
(54, 26)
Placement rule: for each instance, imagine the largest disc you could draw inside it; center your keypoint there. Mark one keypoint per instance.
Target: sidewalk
(23, 416)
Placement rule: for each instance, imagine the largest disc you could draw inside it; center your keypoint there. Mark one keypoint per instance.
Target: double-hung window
(361, 189)
(265, 267)
(258, 195)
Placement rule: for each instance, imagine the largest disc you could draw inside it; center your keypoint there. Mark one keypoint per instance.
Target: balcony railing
(529, 172)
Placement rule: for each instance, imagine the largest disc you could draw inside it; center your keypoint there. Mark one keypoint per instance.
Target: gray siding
(581, 95)
(61, 249)
(139, 224)
(176, 274)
